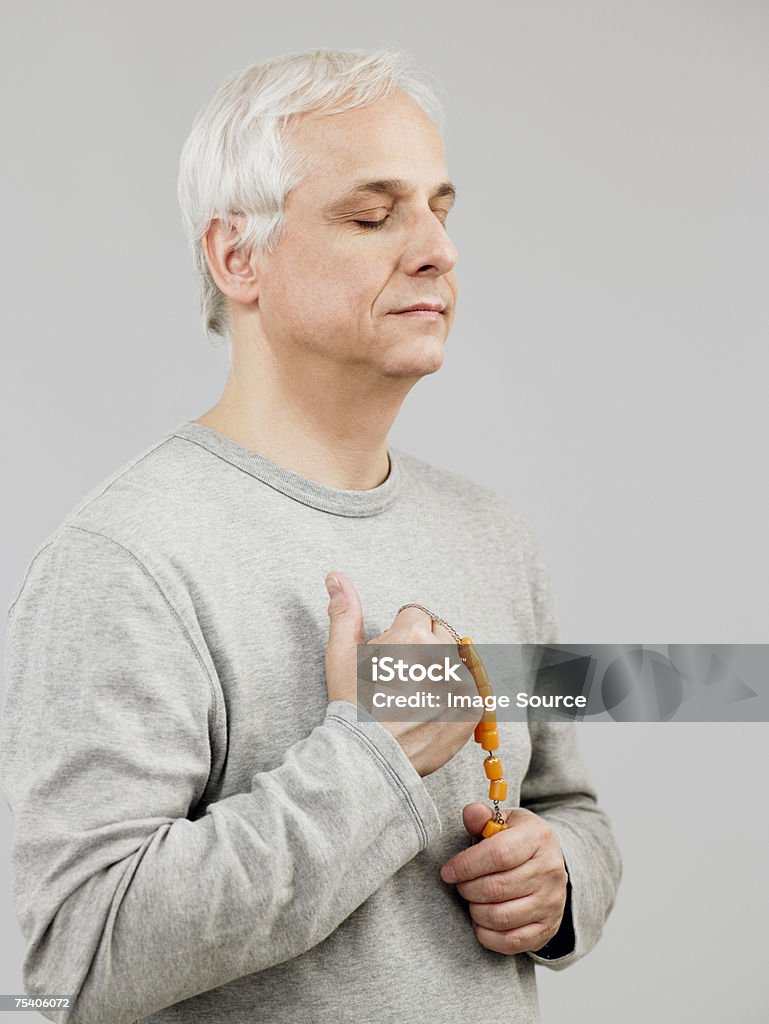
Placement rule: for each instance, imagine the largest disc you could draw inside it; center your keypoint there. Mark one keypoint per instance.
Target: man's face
(350, 258)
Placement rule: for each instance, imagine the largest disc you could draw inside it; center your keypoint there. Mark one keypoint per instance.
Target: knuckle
(497, 854)
(555, 906)
(544, 832)
(512, 942)
(554, 871)
(496, 890)
(498, 917)
(551, 863)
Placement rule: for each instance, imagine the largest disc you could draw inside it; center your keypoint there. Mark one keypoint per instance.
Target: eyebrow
(388, 186)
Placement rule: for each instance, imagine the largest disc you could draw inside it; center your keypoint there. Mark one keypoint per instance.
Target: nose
(429, 251)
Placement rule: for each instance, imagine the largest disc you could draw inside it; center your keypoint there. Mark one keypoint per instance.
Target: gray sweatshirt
(199, 835)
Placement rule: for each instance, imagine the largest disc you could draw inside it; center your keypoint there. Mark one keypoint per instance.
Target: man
(204, 828)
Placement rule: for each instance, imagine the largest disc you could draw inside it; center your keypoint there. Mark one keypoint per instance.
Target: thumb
(475, 817)
(345, 613)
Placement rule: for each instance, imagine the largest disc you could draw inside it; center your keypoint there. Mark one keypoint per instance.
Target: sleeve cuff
(388, 754)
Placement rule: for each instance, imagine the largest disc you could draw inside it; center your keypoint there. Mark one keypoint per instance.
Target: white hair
(237, 158)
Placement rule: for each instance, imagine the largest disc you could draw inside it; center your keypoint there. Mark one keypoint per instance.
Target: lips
(427, 307)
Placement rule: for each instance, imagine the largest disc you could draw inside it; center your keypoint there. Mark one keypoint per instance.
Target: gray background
(607, 368)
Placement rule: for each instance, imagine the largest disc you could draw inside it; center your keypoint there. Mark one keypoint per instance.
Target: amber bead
(493, 767)
(470, 657)
(497, 789)
(467, 646)
(480, 677)
(491, 827)
(490, 740)
(488, 724)
(482, 728)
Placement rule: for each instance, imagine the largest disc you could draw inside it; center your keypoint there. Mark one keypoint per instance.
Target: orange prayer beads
(487, 735)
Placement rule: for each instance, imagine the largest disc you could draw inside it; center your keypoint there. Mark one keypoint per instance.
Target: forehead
(390, 138)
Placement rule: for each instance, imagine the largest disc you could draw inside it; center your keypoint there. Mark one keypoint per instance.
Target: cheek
(316, 295)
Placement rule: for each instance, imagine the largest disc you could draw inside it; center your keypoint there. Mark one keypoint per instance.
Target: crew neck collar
(336, 500)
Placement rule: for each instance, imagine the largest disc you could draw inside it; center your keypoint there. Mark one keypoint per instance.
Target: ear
(233, 270)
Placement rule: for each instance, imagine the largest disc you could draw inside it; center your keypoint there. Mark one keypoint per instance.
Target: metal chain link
(435, 618)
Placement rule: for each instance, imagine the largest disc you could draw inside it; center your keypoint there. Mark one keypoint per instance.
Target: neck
(325, 421)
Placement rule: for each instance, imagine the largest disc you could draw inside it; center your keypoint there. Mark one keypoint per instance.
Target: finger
(413, 622)
(441, 634)
(345, 610)
(504, 885)
(345, 630)
(492, 855)
(503, 917)
(518, 940)
(501, 852)
(419, 621)
(475, 816)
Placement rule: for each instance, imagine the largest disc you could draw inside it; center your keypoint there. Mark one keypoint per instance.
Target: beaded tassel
(487, 735)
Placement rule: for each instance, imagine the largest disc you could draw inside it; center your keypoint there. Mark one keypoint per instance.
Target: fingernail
(333, 586)
(448, 874)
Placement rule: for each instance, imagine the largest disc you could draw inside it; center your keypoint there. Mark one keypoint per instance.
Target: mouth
(422, 309)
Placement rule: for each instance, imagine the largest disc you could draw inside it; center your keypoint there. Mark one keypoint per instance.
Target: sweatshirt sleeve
(557, 787)
(127, 899)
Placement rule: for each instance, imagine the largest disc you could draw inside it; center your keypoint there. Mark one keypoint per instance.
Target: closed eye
(372, 225)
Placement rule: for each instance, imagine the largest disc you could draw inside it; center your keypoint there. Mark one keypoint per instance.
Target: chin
(416, 360)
